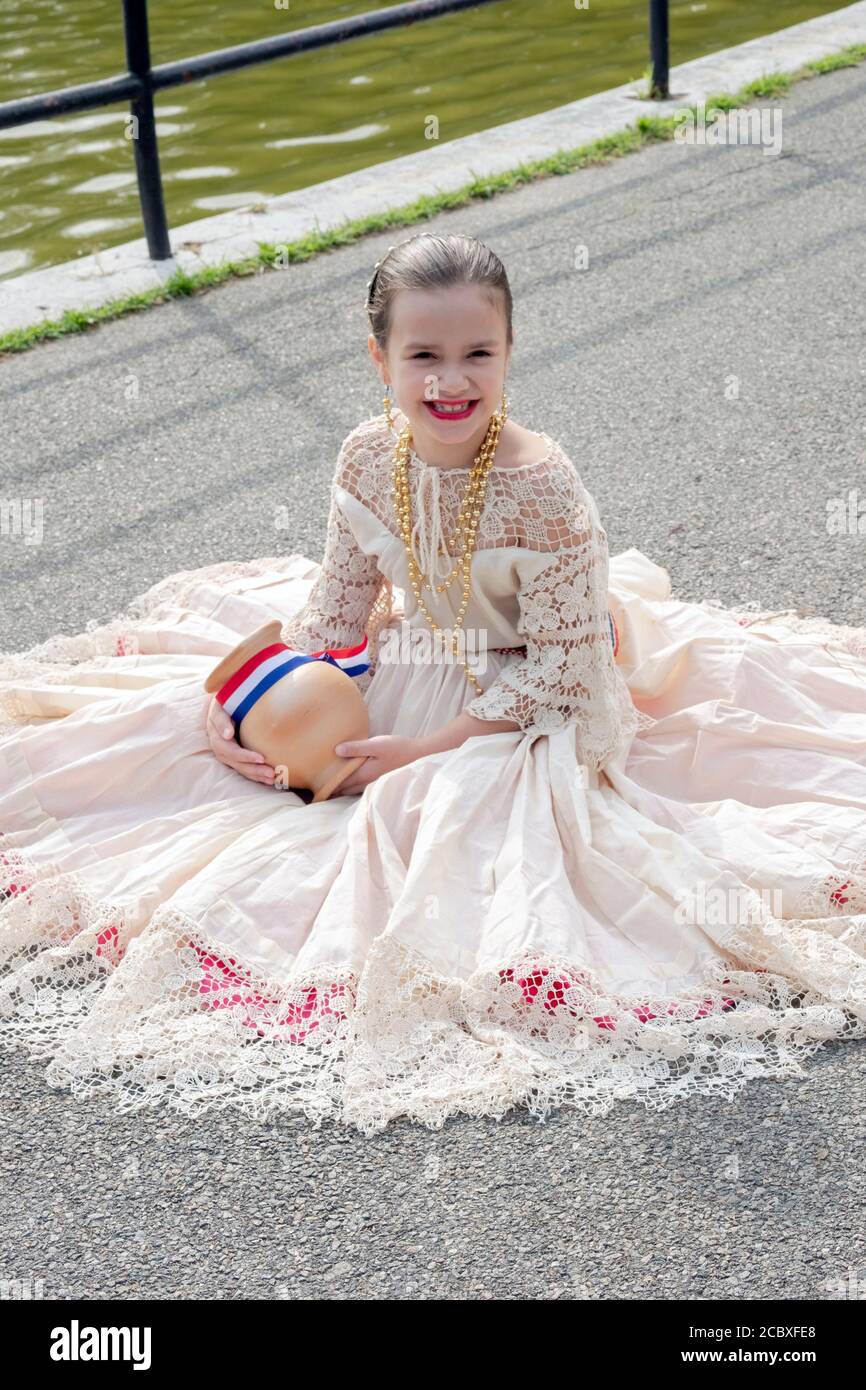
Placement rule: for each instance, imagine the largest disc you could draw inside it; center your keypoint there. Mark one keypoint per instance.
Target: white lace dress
(655, 887)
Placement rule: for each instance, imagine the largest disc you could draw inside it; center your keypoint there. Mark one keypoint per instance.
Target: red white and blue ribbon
(249, 683)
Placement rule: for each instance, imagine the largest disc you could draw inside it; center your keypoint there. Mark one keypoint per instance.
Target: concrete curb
(92, 281)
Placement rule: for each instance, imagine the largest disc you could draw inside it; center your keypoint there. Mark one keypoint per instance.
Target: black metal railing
(659, 50)
(141, 81)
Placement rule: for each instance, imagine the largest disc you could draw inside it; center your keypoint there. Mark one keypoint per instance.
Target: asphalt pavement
(705, 372)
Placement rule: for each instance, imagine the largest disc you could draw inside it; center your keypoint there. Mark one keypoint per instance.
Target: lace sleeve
(568, 676)
(350, 597)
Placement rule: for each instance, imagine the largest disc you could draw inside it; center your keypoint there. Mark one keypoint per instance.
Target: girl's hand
(221, 734)
(384, 753)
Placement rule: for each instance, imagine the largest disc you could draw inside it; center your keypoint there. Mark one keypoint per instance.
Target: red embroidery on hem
(533, 983)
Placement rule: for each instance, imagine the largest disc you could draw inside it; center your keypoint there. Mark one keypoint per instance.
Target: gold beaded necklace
(467, 522)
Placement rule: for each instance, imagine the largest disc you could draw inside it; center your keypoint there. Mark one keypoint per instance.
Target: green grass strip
(645, 131)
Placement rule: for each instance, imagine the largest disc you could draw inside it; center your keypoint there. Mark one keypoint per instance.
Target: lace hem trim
(160, 1014)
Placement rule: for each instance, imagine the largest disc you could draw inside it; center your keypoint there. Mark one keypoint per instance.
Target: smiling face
(446, 361)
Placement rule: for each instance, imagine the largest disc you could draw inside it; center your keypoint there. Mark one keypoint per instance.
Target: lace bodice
(542, 515)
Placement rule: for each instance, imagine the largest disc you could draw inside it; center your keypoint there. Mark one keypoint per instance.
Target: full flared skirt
(491, 926)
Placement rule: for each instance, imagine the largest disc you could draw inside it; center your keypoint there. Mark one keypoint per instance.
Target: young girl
(603, 844)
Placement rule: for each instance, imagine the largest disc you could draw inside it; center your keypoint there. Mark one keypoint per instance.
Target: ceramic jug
(293, 708)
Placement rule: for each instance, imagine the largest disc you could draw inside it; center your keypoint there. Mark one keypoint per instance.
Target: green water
(67, 186)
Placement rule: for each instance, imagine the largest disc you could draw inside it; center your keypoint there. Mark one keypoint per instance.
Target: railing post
(144, 134)
(659, 51)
